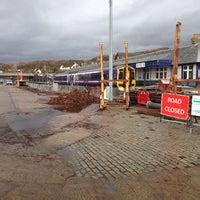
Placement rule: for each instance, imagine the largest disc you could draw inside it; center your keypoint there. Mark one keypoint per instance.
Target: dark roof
(96, 59)
(130, 54)
(189, 54)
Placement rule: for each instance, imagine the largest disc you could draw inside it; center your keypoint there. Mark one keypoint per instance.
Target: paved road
(115, 154)
(6, 101)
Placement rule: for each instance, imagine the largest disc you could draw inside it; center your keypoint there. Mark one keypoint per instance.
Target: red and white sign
(175, 106)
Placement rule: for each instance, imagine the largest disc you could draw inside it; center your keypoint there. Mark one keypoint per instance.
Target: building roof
(130, 54)
(188, 54)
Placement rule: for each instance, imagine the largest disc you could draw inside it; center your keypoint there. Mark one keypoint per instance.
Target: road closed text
(175, 106)
(174, 100)
(174, 110)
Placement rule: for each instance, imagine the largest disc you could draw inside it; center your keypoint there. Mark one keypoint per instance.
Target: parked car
(9, 82)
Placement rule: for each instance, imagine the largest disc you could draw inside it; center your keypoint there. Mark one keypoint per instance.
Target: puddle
(67, 154)
(109, 185)
(36, 121)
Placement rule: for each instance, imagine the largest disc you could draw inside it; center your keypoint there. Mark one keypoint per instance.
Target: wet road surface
(116, 154)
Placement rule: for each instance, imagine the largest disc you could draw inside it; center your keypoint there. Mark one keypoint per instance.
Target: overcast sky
(63, 29)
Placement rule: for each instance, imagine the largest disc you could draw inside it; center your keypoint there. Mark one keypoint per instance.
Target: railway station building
(151, 67)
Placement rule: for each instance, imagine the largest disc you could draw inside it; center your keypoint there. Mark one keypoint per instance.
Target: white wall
(169, 72)
(153, 73)
(179, 72)
(194, 71)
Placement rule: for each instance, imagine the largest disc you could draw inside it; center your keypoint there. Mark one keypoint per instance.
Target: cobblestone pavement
(110, 153)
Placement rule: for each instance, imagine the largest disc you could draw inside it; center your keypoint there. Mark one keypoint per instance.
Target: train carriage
(91, 76)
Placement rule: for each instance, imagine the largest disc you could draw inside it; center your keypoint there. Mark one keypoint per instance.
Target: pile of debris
(74, 101)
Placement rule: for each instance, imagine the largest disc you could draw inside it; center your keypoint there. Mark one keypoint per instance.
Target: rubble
(74, 101)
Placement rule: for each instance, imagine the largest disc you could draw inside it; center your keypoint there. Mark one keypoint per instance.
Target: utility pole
(176, 57)
(17, 82)
(111, 50)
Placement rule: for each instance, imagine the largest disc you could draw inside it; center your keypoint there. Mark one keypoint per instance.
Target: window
(161, 72)
(147, 73)
(95, 76)
(132, 74)
(140, 74)
(187, 72)
(106, 75)
(121, 74)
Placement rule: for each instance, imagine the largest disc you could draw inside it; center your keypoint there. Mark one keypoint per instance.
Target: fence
(55, 87)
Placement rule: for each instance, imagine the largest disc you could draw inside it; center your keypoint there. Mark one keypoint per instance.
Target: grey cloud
(63, 29)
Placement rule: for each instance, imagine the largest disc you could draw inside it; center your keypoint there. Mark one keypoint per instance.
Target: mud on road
(115, 154)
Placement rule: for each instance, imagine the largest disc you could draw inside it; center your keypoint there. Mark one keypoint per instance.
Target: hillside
(6, 67)
(49, 66)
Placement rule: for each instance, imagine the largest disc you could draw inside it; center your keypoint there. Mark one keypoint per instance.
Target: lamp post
(110, 50)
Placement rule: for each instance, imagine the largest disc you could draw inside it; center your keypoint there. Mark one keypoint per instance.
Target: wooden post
(21, 75)
(102, 106)
(17, 82)
(127, 93)
(175, 58)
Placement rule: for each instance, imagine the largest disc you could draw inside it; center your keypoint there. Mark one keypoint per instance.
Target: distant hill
(6, 67)
(49, 66)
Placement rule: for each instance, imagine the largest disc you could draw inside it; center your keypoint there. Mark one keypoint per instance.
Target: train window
(88, 77)
(95, 76)
(121, 74)
(114, 74)
(92, 76)
(81, 77)
(98, 76)
(106, 75)
(132, 73)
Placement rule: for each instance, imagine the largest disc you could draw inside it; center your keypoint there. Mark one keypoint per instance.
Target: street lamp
(110, 50)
